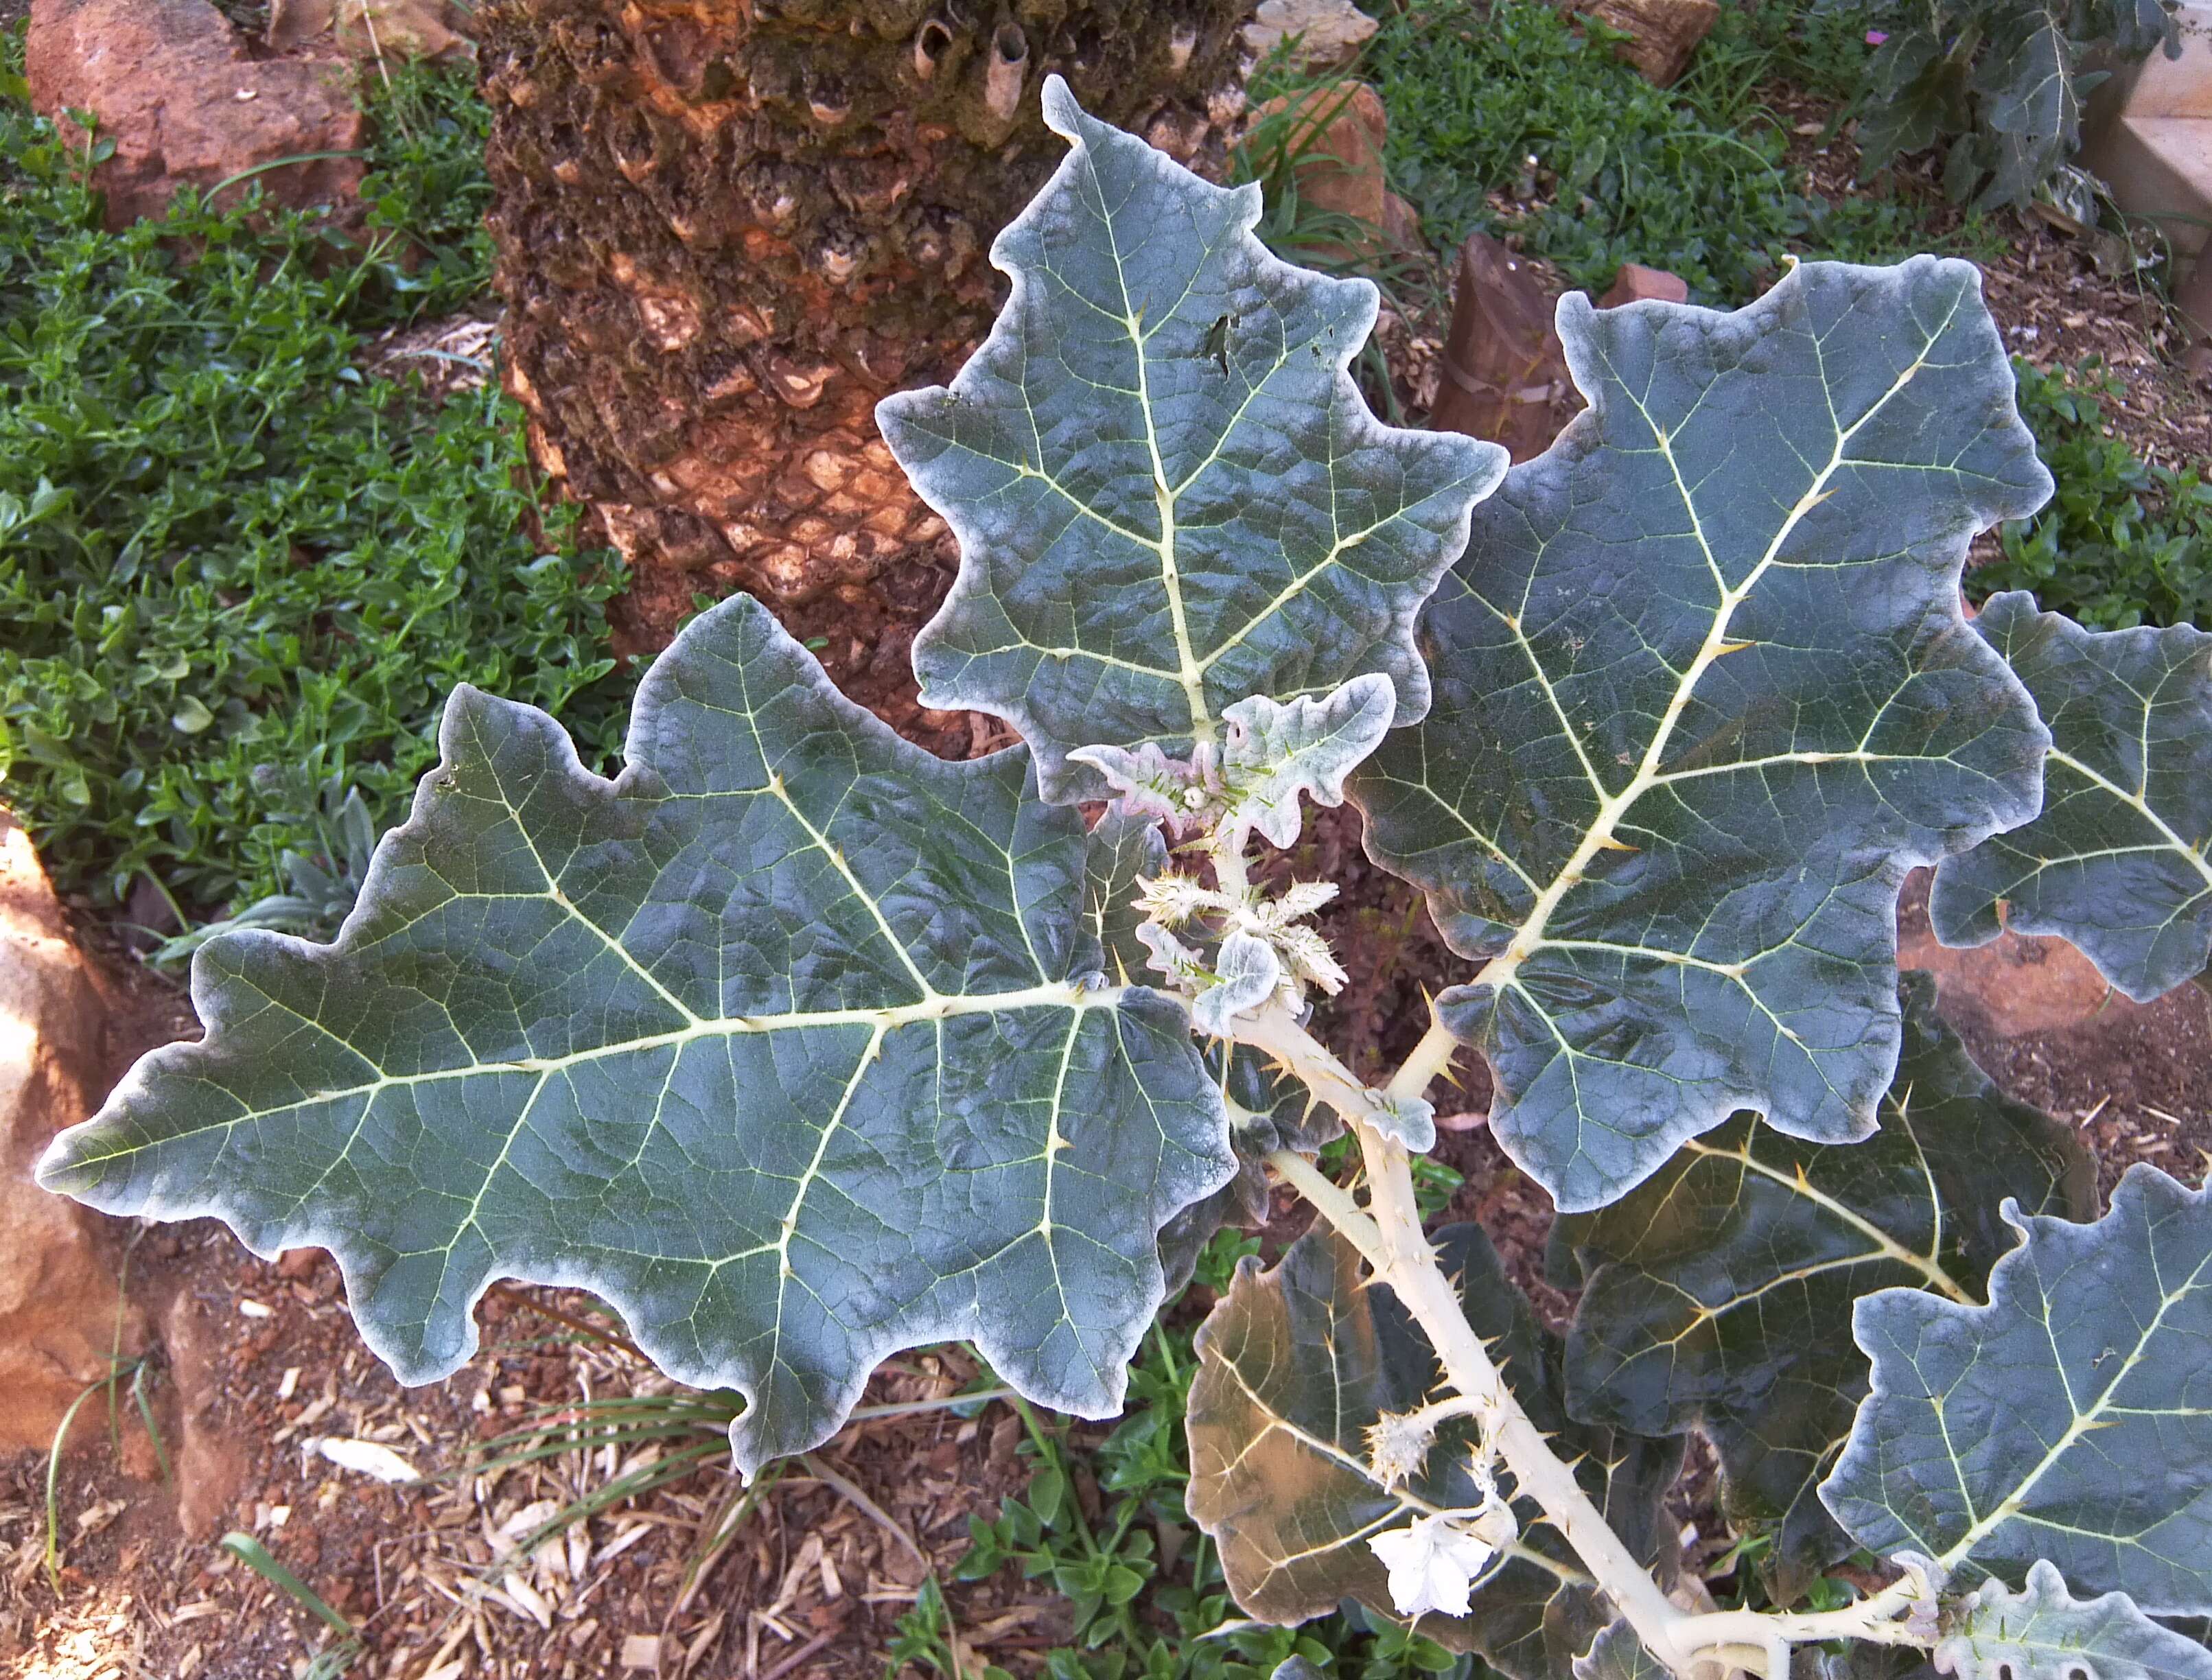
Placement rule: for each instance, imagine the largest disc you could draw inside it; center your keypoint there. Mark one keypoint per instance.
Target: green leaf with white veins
(1169, 492)
(2068, 1421)
(790, 1042)
(1719, 1293)
(2044, 1633)
(2115, 860)
(1274, 754)
(1297, 1363)
(1703, 694)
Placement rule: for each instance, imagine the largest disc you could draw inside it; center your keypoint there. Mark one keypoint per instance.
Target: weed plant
(1691, 179)
(1144, 1584)
(237, 569)
(2124, 541)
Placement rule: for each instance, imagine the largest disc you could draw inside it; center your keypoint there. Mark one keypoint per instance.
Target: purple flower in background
(1877, 37)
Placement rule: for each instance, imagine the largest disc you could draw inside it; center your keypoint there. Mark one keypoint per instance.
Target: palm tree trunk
(726, 227)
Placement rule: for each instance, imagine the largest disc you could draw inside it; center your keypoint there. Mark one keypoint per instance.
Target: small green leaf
(791, 1043)
(191, 715)
(1717, 1295)
(2066, 1420)
(2115, 861)
(1297, 1364)
(1169, 492)
(2045, 1633)
(1703, 694)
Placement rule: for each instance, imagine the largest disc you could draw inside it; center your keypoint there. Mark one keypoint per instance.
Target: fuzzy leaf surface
(2115, 861)
(2045, 1633)
(1618, 1654)
(1717, 1293)
(1169, 492)
(1703, 694)
(1277, 752)
(2069, 1420)
(1267, 1110)
(1296, 1363)
(790, 1042)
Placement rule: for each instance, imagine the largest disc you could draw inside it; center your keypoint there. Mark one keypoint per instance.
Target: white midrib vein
(1059, 994)
(2084, 1422)
(1886, 1245)
(2136, 803)
(1499, 971)
(1192, 675)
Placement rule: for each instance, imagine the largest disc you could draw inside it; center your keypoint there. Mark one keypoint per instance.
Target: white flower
(1432, 1565)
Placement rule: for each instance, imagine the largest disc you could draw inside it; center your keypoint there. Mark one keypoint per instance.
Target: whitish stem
(1227, 850)
(1430, 1057)
(1274, 1028)
(1388, 1234)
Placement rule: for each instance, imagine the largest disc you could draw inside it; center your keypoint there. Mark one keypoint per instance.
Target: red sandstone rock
(1661, 33)
(58, 1290)
(1637, 285)
(370, 28)
(173, 86)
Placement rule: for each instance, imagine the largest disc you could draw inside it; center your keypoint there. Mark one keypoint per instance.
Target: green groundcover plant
(238, 571)
(1996, 85)
(2124, 541)
(799, 1045)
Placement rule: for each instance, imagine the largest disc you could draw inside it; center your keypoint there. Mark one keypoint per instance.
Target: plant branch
(1430, 1057)
(1388, 1234)
(1412, 1272)
(1334, 1203)
(1873, 1619)
(1274, 1028)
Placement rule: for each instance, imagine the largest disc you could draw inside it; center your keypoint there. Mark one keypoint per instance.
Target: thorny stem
(1388, 1233)
(1430, 1057)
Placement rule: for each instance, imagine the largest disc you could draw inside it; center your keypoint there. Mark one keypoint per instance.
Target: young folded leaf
(1297, 1364)
(1717, 1293)
(2045, 1633)
(1169, 494)
(2115, 862)
(1273, 752)
(1703, 694)
(2066, 1420)
(1268, 1109)
(790, 1042)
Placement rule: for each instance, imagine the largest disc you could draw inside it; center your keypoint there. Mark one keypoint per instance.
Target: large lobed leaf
(1703, 693)
(2045, 1633)
(2068, 1421)
(1296, 1364)
(2115, 861)
(1717, 1295)
(1168, 494)
(790, 1042)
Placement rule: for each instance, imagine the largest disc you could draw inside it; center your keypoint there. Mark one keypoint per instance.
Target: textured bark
(726, 227)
